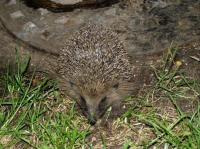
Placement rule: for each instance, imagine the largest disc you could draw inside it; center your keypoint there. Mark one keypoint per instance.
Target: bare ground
(116, 132)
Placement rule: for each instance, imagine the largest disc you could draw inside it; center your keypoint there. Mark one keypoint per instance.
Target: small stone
(94, 139)
(17, 14)
(110, 12)
(30, 27)
(178, 63)
(43, 11)
(12, 2)
(61, 20)
(67, 2)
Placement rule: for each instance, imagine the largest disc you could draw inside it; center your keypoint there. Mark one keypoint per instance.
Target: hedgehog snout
(92, 117)
(96, 110)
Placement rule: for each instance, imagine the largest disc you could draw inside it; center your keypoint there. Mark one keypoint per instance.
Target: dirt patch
(141, 37)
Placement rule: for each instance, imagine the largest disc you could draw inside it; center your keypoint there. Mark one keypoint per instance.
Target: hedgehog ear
(116, 86)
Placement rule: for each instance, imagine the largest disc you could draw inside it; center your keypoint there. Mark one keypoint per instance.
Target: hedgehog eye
(104, 99)
(102, 104)
(82, 103)
(116, 86)
(82, 99)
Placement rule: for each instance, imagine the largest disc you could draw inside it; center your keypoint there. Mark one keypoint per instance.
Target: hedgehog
(95, 70)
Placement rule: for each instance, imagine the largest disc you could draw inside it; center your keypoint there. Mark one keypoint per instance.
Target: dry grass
(34, 114)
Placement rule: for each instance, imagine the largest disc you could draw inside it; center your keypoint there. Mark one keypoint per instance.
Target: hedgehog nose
(92, 120)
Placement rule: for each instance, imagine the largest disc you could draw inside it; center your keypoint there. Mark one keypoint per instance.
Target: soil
(147, 27)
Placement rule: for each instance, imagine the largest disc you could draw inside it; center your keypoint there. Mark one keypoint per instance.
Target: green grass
(25, 117)
(184, 130)
(34, 114)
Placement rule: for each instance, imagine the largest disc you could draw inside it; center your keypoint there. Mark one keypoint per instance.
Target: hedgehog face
(94, 103)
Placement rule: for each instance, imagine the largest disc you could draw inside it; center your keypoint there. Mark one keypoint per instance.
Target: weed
(24, 112)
